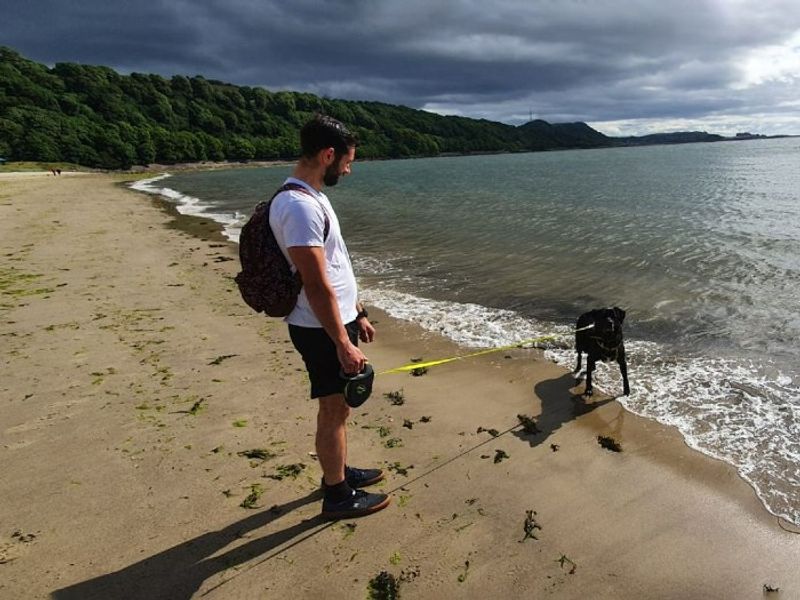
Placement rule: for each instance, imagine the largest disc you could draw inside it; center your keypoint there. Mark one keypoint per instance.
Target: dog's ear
(619, 314)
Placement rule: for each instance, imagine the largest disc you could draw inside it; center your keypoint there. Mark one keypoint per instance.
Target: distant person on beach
(328, 321)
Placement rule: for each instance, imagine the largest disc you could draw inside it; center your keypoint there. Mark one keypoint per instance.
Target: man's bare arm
(310, 262)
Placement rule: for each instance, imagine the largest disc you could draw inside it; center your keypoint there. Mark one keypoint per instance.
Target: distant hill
(541, 135)
(93, 116)
(681, 137)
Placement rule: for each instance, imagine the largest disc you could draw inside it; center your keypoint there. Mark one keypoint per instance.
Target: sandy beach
(157, 442)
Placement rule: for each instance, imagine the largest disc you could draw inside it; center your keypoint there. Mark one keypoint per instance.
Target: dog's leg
(590, 363)
(623, 368)
(578, 366)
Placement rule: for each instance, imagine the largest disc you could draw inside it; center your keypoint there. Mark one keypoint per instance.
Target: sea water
(699, 243)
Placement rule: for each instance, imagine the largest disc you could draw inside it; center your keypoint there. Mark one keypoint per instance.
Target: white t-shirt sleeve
(302, 223)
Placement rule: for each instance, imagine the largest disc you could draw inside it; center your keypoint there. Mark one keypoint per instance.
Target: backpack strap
(296, 187)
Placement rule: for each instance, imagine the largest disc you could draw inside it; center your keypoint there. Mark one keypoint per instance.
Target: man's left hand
(366, 332)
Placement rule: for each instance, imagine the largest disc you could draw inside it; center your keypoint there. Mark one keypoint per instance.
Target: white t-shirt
(298, 219)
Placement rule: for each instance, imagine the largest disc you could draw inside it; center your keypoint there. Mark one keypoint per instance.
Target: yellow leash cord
(434, 363)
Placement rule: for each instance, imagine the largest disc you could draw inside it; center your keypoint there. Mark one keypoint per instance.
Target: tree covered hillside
(93, 116)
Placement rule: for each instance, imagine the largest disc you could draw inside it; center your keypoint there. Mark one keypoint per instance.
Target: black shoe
(358, 478)
(359, 504)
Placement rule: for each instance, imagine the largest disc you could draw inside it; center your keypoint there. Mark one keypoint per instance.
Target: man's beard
(331, 176)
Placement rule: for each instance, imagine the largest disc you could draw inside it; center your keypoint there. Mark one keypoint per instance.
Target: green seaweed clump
(252, 498)
(284, 471)
(396, 398)
(383, 586)
(257, 454)
(398, 468)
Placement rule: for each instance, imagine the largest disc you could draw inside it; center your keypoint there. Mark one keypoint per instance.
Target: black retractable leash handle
(358, 387)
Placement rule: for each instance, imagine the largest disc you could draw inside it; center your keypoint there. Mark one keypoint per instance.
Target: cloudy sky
(627, 67)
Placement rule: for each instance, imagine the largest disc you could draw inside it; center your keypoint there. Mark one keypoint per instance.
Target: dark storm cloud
(570, 60)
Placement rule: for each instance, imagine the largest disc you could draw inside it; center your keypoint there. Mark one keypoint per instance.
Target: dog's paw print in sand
(15, 547)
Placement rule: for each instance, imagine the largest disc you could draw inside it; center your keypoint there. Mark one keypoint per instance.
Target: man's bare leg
(340, 500)
(331, 440)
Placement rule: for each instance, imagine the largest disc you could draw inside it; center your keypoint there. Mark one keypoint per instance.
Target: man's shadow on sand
(177, 573)
(559, 406)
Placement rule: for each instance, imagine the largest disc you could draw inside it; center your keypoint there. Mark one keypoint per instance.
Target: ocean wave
(189, 205)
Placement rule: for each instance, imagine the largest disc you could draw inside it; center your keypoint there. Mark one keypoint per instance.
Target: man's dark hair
(325, 132)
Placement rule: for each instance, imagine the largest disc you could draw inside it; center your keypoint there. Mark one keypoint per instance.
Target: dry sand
(119, 441)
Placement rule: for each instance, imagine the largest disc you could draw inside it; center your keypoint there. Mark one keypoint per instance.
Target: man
(328, 321)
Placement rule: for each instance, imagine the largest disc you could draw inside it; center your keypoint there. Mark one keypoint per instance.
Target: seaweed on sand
(196, 407)
(609, 443)
(564, 559)
(499, 455)
(284, 471)
(398, 468)
(530, 526)
(491, 431)
(396, 397)
(383, 586)
(419, 371)
(348, 529)
(222, 357)
(257, 454)
(252, 498)
(528, 424)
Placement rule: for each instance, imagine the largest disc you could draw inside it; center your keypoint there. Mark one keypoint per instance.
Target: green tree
(94, 116)
(240, 148)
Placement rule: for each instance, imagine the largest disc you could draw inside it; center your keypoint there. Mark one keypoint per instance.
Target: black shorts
(319, 353)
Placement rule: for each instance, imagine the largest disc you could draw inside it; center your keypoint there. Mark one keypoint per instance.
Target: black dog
(599, 334)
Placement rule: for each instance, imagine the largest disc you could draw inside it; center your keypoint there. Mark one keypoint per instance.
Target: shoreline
(761, 487)
(198, 226)
(657, 520)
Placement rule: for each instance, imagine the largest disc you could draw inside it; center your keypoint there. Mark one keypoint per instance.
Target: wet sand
(133, 376)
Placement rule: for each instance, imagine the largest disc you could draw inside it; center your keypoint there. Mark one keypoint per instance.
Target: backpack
(266, 281)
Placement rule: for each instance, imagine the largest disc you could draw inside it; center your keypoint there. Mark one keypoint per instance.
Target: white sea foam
(723, 408)
(189, 205)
